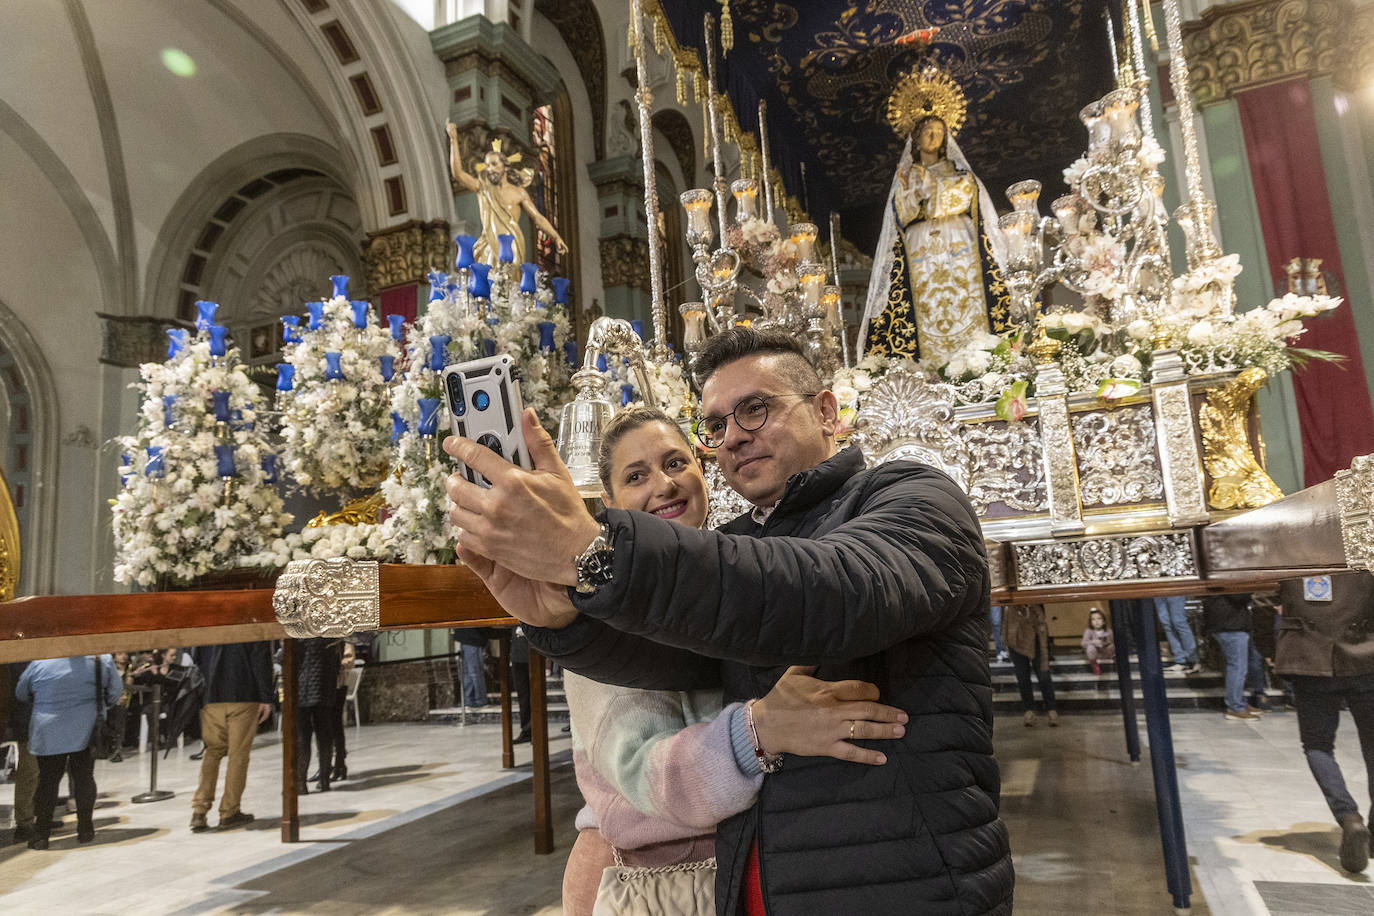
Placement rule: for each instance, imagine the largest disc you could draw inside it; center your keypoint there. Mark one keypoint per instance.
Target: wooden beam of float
(53, 626)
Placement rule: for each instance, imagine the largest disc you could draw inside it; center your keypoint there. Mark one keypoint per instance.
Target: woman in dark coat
(316, 684)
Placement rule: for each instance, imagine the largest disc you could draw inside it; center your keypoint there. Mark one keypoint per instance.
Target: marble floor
(429, 823)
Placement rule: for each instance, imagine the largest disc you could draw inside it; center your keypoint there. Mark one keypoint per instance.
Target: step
(490, 715)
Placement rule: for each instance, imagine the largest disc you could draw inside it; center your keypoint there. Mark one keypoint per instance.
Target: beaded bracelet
(769, 763)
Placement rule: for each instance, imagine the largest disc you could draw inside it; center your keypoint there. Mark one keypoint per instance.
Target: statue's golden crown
(926, 91)
(511, 158)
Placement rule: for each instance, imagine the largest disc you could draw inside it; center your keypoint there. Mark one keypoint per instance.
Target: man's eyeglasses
(750, 414)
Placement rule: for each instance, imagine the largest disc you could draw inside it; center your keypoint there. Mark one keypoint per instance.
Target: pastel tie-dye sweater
(656, 766)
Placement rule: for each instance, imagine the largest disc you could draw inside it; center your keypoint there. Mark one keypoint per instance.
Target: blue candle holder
(398, 426)
(359, 313)
(332, 370)
(560, 290)
(388, 365)
(291, 328)
(176, 343)
(546, 336)
(397, 330)
(465, 243)
(205, 314)
(269, 468)
(217, 345)
(570, 352)
(155, 466)
(429, 416)
(488, 346)
(286, 374)
(438, 280)
(167, 401)
(601, 365)
(219, 403)
(438, 351)
(126, 469)
(316, 310)
(507, 249)
(340, 282)
(627, 394)
(528, 273)
(638, 325)
(224, 461)
(479, 284)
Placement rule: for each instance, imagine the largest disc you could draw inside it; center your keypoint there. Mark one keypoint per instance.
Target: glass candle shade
(528, 273)
(507, 248)
(1073, 213)
(387, 365)
(218, 347)
(465, 243)
(488, 346)
(359, 313)
(697, 204)
(168, 400)
(332, 370)
(1119, 114)
(438, 351)
(396, 322)
(479, 284)
(804, 237)
(291, 328)
(205, 314)
(398, 426)
(438, 284)
(746, 192)
(812, 282)
(560, 290)
(1024, 195)
(627, 394)
(1022, 241)
(693, 325)
(316, 310)
(269, 468)
(830, 301)
(219, 404)
(570, 353)
(224, 461)
(286, 374)
(176, 342)
(546, 336)
(340, 282)
(156, 466)
(429, 416)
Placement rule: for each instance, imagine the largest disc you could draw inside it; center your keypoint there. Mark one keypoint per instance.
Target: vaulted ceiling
(826, 68)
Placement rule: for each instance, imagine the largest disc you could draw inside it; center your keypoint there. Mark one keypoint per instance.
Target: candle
(694, 325)
(528, 272)
(465, 243)
(697, 203)
(217, 345)
(546, 336)
(429, 416)
(397, 333)
(507, 248)
(291, 328)
(811, 283)
(340, 282)
(438, 351)
(286, 373)
(332, 370)
(804, 237)
(1024, 195)
(316, 310)
(560, 290)
(830, 299)
(746, 192)
(388, 366)
(359, 313)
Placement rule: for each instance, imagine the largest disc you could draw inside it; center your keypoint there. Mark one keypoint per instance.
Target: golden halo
(927, 91)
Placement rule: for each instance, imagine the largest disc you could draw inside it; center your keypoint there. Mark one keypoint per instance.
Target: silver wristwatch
(595, 564)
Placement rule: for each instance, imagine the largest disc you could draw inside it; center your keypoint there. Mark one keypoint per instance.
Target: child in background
(1097, 640)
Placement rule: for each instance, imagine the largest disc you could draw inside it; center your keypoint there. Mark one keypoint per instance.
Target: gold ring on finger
(852, 723)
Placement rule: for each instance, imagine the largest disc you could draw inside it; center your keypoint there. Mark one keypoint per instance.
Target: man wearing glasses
(874, 574)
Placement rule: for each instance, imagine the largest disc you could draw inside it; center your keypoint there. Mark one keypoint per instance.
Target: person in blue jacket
(63, 694)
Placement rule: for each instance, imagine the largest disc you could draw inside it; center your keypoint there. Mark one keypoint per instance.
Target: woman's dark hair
(737, 343)
(623, 423)
(1098, 613)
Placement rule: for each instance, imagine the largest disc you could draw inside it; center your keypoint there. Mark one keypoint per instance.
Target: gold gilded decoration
(1239, 46)
(625, 262)
(328, 597)
(9, 543)
(1238, 481)
(1355, 498)
(893, 332)
(923, 92)
(361, 511)
(405, 254)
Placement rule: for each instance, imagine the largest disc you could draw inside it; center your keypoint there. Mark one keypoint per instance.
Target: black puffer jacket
(875, 574)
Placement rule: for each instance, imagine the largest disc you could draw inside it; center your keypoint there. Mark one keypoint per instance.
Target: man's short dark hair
(737, 343)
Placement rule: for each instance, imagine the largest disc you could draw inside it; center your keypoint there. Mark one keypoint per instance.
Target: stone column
(624, 237)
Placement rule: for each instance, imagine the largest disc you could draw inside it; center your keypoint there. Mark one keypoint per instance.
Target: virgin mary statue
(937, 283)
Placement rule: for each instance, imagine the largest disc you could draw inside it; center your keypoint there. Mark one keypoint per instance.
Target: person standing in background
(26, 770)
(1227, 618)
(63, 692)
(316, 687)
(238, 698)
(1172, 612)
(1028, 638)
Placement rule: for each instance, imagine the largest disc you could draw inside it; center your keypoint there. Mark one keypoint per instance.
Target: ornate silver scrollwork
(1355, 497)
(1005, 466)
(328, 597)
(726, 504)
(1105, 559)
(1116, 456)
(1178, 449)
(907, 417)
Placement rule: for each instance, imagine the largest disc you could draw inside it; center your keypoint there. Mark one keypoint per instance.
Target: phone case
(483, 398)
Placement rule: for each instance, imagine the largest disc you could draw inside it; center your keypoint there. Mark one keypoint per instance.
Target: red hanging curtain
(1280, 129)
(400, 301)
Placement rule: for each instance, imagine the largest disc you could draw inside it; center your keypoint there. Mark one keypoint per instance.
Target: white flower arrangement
(336, 432)
(1259, 337)
(1206, 289)
(176, 523)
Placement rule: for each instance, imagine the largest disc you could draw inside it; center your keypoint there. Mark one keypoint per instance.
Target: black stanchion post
(155, 734)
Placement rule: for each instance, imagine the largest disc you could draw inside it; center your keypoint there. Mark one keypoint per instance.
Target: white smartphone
(484, 405)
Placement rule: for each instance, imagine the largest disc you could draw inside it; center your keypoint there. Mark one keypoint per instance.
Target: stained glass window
(544, 189)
